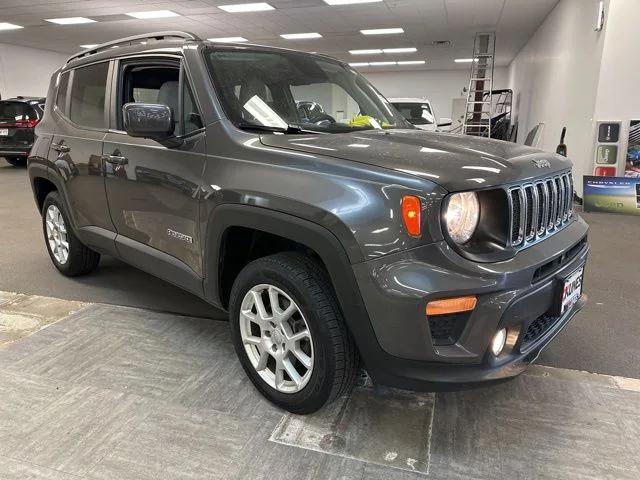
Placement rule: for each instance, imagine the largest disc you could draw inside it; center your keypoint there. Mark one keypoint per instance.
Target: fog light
(499, 341)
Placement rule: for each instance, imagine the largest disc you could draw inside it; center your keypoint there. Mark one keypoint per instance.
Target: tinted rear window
(87, 95)
(17, 111)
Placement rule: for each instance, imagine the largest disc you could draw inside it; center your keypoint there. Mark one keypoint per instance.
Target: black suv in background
(281, 187)
(18, 119)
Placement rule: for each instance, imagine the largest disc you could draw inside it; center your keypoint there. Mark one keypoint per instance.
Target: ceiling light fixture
(228, 39)
(89, 46)
(373, 51)
(382, 31)
(465, 60)
(359, 64)
(412, 62)
(300, 36)
(9, 26)
(382, 64)
(349, 2)
(400, 50)
(70, 20)
(153, 14)
(246, 7)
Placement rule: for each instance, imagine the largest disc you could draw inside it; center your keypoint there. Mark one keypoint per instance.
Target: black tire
(81, 260)
(17, 161)
(335, 355)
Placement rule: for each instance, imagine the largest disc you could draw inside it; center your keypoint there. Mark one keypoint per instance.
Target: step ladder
(477, 119)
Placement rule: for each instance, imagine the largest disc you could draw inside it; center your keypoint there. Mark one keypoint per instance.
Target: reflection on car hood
(457, 162)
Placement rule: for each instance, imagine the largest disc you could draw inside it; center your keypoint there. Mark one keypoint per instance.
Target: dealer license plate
(4, 132)
(572, 290)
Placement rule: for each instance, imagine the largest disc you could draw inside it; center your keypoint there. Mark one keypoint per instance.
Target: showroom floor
(92, 389)
(115, 392)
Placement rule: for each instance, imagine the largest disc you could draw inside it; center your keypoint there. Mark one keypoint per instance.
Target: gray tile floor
(120, 393)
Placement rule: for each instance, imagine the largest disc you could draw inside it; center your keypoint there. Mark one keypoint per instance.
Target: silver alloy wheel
(276, 338)
(57, 234)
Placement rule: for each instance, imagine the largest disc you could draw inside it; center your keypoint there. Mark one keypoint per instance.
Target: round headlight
(462, 215)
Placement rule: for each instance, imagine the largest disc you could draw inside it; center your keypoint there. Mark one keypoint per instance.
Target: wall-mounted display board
(612, 195)
(632, 165)
(607, 149)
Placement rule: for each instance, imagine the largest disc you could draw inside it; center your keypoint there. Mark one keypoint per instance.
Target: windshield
(416, 113)
(281, 89)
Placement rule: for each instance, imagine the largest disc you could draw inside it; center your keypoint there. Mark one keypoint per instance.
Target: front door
(153, 190)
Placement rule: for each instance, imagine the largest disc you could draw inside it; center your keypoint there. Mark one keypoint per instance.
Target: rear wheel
(17, 161)
(67, 253)
(289, 333)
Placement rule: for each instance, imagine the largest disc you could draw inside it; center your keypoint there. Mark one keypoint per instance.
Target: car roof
(158, 41)
(409, 100)
(22, 99)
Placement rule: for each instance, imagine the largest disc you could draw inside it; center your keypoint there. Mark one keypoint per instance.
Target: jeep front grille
(539, 208)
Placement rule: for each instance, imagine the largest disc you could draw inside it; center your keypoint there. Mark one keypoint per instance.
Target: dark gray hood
(456, 162)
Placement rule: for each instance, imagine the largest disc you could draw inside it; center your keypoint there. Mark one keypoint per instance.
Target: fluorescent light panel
(89, 46)
(9, 26)
(246, 7)
(70, 20)
(465, 60)
(153, 14)
(228, 39)
(400, 50)
(382, 64)
(373, 51)
(359, 64)
(382, 31)
(300, 36)
(349, 2)
(412, 62)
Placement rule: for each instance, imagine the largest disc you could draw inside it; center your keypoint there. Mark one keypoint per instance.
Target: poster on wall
(612, 195)
(632, 167)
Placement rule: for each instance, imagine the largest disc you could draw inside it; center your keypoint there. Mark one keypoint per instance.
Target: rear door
(81, 117)
(153, 190)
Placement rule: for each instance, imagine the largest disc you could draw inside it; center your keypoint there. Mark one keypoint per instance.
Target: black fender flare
(314, 236)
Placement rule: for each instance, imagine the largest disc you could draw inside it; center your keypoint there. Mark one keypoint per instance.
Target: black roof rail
(135, 38)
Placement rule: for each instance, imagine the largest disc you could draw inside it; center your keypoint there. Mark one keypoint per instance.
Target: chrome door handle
(60, 147)
(116, 159)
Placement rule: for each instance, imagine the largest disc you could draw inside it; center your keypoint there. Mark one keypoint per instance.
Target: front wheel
(67, 253)
(289, 333)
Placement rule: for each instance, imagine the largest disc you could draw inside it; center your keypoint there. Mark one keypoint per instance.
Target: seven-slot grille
(539, 208)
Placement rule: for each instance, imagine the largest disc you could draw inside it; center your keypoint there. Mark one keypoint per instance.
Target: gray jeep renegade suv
(332, 235)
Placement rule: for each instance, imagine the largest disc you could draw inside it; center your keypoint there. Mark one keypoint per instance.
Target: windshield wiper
(290, 129)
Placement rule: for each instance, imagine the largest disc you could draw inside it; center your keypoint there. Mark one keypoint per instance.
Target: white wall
(555, 79)
(619, 86)
(27, 71)
(439, 86)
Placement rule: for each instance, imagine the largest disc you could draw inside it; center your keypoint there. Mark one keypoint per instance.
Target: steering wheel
(322, 119)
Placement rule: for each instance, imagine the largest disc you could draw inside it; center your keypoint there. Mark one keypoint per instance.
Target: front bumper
(513, 294)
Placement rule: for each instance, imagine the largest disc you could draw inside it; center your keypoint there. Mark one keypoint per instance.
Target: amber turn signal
(451, 305)
(412, 215)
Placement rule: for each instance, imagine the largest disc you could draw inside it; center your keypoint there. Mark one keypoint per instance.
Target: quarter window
(192, 119)
(88, 93)
(63, 90)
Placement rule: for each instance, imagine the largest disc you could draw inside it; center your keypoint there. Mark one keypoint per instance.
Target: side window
(88, 93)
(150, 83)
(192, 120)
(63, 90)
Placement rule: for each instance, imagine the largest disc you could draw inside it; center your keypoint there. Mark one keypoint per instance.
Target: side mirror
(444, 122)
(152, 121)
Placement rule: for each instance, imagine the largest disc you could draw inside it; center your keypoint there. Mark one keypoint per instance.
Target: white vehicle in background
(417, 111)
